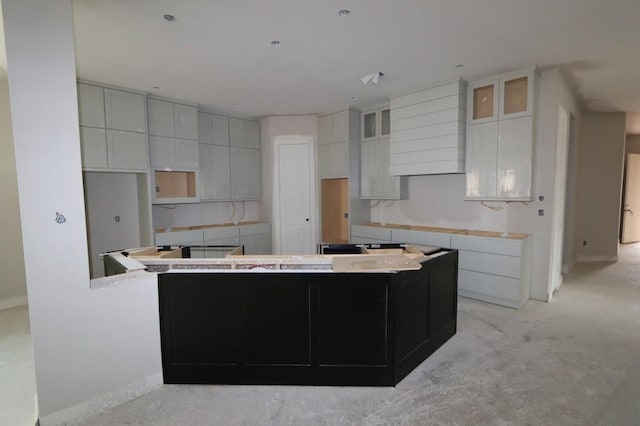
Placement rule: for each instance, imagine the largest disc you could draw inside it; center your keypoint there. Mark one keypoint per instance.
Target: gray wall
(600, 163)
(12, 279)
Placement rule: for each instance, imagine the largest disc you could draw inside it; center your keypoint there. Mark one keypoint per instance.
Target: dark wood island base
(305, 327)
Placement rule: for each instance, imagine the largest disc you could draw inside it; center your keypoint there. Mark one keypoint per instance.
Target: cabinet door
(325, 129)
(205, 154)
(263, 244)
(160, 118)
(252, 134)
(93, 144)
(482, 145)
(389, 186)
(516, 94)
(221, 184)
(326, 168)
(127, 150)
(125, 110)
(385, 122)
(515, 142)
(369, 170)
(91, 105)
(341, 126)
(245, 174)
(250, 244)
(369, 125)
(482, 100)
(205, 128)
(220, 130)
(185, 121)
(186, 154)
(340, 157)
(162, 152)
(236, 132)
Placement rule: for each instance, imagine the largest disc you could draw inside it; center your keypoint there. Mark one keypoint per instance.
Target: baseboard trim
(13, 302)
(99, 404)
(597, 258)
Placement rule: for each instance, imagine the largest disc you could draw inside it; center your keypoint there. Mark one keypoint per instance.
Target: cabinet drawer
(179, 237)
(371, 232)
(256, 228)
(492, 287)
(221, 232)
(363, 240)
(437, 239)
(506, 266)
(486, 245)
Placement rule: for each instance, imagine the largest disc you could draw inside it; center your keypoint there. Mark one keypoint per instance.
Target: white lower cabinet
(255, 237)
(496, 270)
(425, 238)
(362, 234)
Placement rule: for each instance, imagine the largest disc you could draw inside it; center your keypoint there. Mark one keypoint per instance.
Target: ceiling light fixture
(169, 18)
(275, 43)
(156, 87)
(371, 78)
(344, 12)
(459, 65)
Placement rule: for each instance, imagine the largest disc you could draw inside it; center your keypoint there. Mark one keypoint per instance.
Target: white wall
(601, 158)
(271, 127)
(13, 288)
(632, 145)
(438, 200)
(92, 348)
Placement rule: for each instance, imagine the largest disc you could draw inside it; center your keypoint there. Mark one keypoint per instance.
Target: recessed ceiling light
(344, 12)
(459, 65)
(156, 87)
(236, 105)
(353, 98)
(169, 18)
(275, 42)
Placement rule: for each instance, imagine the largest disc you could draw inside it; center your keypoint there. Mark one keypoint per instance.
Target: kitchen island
(365, 319)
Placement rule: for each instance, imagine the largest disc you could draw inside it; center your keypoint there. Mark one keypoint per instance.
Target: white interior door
(296, 192)
(557, 230)
(631, 206)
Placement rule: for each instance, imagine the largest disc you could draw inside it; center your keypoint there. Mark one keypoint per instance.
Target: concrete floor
(574, 361)
(17, 379)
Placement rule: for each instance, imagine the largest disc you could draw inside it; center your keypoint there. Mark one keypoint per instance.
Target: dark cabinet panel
(201, 319)
(412, 311)
(276, 320)
(352, 320)
(443, 295)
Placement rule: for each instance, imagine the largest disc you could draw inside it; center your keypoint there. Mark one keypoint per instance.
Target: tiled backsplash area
(168, 216)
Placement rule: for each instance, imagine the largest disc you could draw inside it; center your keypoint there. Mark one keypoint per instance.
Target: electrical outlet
(540, 212)
(584, 243)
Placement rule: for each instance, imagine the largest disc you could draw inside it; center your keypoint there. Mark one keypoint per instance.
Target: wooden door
(631, 203)
(335, 210)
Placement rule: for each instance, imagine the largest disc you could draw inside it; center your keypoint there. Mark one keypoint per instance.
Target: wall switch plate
(540, 212)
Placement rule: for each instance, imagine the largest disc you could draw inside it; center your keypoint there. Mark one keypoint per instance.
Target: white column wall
(92, 348)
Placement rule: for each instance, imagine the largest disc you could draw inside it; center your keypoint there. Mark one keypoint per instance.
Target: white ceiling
(217, 52)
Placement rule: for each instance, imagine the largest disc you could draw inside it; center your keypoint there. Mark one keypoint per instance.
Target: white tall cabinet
(500, 124)
(112, 129)
(376, 181)
(230, 158)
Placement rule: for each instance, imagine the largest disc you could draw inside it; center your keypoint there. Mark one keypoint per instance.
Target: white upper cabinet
(325, 129)
(112, 129)
(125, 110)
(160, 118)
(91, 105)
(244, 133)
(220, 130)
(341, 126)
(245, 174)
(169, 119)
(375, 155)
(186, 154)
(127, 150)
(215, 178)
(205, 127)
(173, 154)
(500, 137)
(185, 121)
